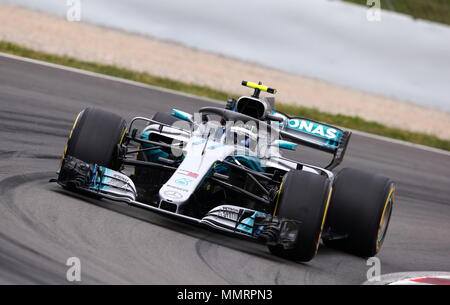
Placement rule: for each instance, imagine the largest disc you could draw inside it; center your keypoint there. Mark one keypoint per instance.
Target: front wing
(102, 182)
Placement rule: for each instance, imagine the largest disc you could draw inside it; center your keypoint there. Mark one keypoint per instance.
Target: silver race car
(225, 168)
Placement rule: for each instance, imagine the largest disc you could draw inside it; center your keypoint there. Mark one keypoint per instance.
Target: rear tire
(164, 117)
(361, 207)
(95, 137)
(304, 197)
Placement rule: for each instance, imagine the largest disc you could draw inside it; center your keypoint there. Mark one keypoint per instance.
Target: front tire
(304, 197)
(361, 208)
(95, 137)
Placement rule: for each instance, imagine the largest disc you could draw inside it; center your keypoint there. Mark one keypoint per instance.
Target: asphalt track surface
(41, 225)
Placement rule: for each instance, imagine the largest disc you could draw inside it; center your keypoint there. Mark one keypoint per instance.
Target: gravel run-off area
(160, 58)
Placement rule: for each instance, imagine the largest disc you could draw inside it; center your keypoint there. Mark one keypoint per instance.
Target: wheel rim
(385, 218)
(323, 218)
(70, 136)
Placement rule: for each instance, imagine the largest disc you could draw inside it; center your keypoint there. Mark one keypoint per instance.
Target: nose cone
(176, 196)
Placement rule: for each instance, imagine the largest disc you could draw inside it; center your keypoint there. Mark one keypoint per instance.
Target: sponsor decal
(183, 181)
(177, 188)
(120, 178)
(173, 194)
(228, 213)
(314, 128)
(187, 173)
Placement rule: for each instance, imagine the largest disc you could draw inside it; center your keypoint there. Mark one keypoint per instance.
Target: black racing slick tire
(95, 137)
(360, 210)
(304, 197)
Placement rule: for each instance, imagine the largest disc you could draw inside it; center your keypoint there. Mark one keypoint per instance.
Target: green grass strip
(352, 122)
(433, 10)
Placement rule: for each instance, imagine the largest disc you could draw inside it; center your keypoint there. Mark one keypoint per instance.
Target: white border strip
(390, 278)
(141, 85)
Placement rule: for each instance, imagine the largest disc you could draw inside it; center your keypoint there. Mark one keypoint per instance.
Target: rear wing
(317, 135)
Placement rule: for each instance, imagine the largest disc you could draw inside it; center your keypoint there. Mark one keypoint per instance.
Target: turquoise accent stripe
(246, 225)
(98, 184)
(152, 155)
(253, 162)
(287, 145)
(182, 115)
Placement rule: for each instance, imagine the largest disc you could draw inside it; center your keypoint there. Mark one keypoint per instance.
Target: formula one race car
(222, 168)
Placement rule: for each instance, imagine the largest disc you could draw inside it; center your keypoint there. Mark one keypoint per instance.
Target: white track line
(395, 141)
(137, 84)
(107, 77)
